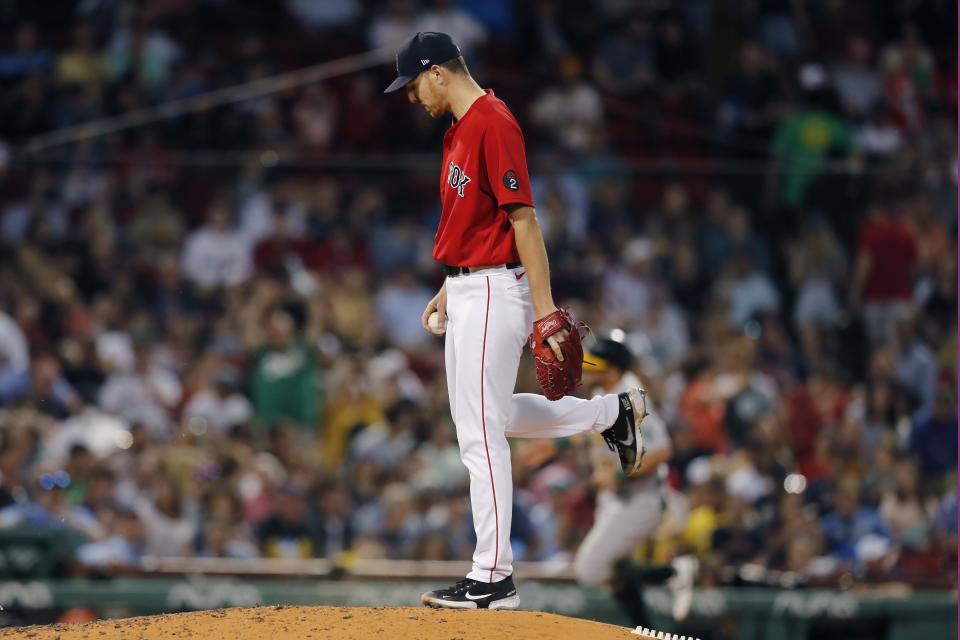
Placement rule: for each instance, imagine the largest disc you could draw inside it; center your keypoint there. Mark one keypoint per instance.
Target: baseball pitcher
(496, 297)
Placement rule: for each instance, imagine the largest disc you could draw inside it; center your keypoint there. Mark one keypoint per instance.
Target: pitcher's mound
(333, 623)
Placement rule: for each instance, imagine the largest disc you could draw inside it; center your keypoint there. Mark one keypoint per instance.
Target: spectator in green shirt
(804, 142)
(284, 375)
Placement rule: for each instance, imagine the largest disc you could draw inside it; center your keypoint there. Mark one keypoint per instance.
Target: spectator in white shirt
(145, 395)
(571, 111)
(169, 531)
(857, 80)
(216, 255)
(748, 291)
(392, 27)
(123, 546)
(627, 288)
(14, 354)
(316, 16)
(445, 17)
(396, 304)
(660, 336)
(221, 406)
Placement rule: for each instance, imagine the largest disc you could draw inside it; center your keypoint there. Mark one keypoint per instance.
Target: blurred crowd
(210, 338)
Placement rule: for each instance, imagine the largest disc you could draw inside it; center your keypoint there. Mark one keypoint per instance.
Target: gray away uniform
(625, 518)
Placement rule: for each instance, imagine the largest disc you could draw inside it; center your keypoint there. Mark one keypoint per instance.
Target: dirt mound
(333, 623)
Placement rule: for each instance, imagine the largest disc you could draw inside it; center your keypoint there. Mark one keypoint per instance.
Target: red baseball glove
(557, 378)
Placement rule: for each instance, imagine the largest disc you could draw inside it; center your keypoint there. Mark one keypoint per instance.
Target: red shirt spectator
(810, 407)
(704, 413)
(890, 248)
(272, 254)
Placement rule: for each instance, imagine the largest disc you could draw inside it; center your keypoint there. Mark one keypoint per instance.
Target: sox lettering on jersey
(483, 171)
(457, 178)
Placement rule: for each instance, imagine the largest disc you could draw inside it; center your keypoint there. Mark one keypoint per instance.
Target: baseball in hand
(434, 323)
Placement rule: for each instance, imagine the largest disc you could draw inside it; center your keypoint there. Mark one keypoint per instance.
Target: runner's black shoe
(473, 594)
(624, 435)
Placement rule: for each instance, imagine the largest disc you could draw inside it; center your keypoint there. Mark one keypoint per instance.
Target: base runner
(629, 510)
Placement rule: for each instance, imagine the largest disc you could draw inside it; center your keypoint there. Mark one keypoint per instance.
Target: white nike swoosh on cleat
(470, 596)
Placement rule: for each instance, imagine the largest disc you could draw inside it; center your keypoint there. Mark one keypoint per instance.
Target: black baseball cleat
(624, 435)
(472, 594)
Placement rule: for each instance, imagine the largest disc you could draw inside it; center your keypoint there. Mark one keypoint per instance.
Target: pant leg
(629, 595)
(450, 357)
(533, 416)
(619, 526)
(487, 325)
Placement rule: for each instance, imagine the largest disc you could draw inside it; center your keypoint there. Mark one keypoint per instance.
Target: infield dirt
(332, 623)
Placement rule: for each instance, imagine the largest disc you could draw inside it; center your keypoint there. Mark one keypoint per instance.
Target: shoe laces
(611, 440)
(462, 586)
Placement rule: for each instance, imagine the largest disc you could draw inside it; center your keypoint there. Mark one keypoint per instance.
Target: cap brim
(397, 84)
(593, 362)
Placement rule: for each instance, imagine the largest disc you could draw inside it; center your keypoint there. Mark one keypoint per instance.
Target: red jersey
(893, 253)
(484, 171)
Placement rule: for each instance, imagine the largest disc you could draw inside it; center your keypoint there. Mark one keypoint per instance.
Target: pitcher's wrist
(543, 310)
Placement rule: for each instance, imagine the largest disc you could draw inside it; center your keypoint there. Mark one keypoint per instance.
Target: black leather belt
(453, 272)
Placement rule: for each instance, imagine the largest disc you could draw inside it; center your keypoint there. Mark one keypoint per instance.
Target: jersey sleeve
(506, 163)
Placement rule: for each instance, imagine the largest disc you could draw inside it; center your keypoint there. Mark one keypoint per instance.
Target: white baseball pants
(489, 316)
(620, 524)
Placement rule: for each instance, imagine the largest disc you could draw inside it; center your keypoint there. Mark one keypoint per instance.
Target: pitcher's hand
(438, 304)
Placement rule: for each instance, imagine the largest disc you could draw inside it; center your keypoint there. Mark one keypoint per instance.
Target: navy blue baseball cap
(421, 52)
(607, 352)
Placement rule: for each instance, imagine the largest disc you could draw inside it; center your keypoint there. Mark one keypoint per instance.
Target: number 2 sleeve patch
(506, 164)
(510, 180)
